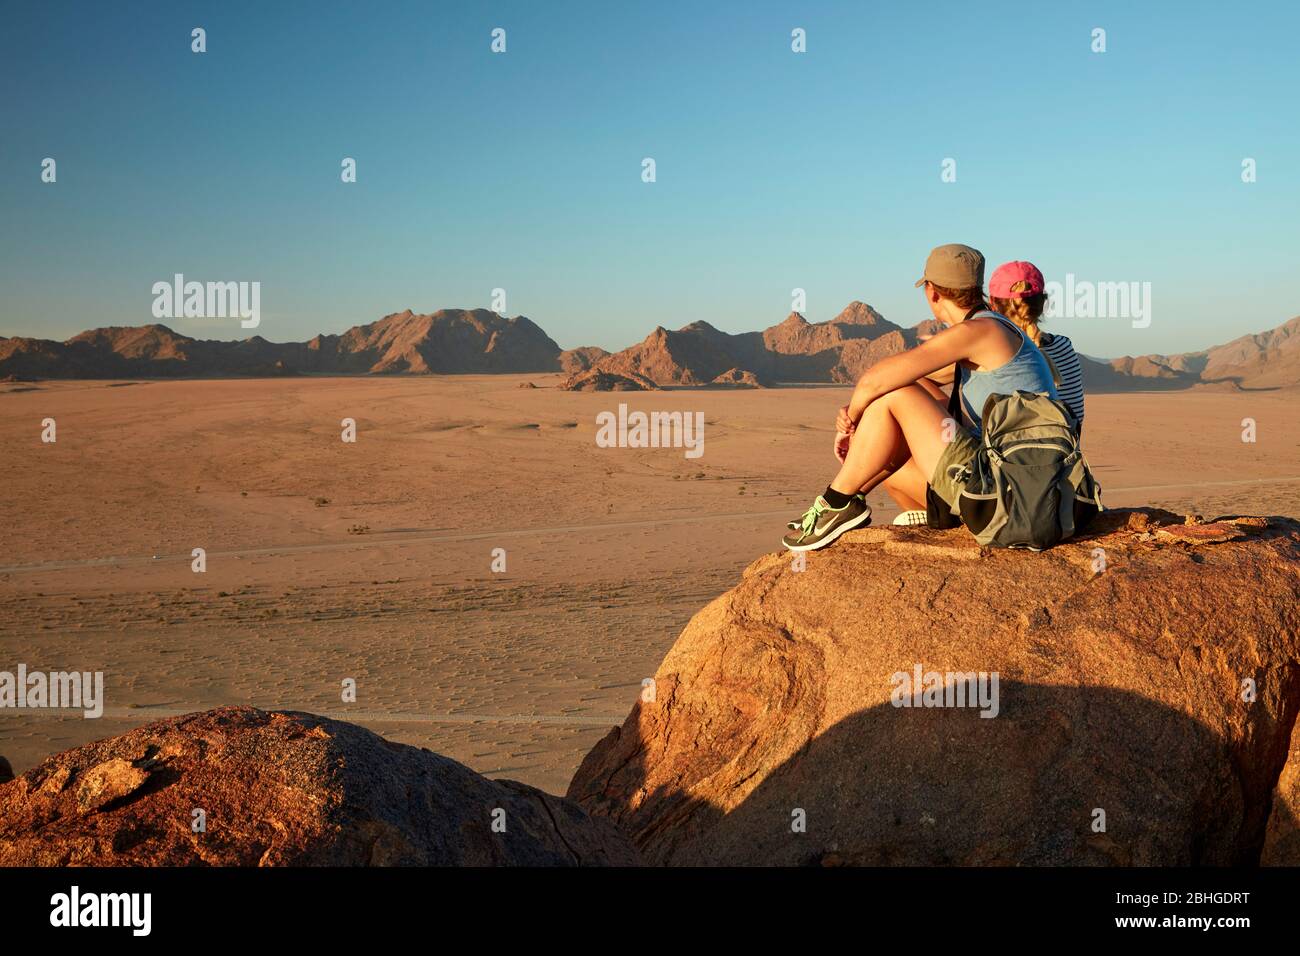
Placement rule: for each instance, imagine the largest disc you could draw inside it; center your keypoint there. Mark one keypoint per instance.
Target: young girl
(1016, 289)
(898, 425)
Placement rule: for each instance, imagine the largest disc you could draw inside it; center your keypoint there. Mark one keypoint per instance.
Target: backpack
(1029, 485)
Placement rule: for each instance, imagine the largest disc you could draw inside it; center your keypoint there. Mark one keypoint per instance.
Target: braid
(1026, 313)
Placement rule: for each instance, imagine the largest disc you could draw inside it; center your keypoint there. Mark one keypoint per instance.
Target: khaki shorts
(955, 457)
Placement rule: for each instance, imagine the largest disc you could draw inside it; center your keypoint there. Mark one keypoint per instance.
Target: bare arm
(932, 356)
(945, 376)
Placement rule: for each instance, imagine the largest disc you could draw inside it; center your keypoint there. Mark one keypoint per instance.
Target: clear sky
(522, 170)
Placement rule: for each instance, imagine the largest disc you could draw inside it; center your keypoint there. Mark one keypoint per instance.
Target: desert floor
(372, 560)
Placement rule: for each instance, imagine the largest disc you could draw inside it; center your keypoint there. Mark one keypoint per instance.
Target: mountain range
(460, 341)
(448, 341)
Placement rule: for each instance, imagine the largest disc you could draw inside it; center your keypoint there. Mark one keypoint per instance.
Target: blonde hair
(1027, 313)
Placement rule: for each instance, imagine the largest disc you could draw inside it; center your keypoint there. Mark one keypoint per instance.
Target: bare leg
(906, 423)
(907, 487)
(933, 389)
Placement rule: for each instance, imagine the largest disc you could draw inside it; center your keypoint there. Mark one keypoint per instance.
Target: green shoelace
(810, 517)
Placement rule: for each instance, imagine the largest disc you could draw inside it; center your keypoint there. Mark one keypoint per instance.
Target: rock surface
(1120, 693)
(1282, 838)
(739, 378)
(577, 360)
(598, 380)
(282, 789)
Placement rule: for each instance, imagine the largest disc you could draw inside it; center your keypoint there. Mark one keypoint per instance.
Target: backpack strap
(954, 398)
(984, 414)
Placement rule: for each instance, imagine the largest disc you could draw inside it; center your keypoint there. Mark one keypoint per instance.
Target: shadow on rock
(1061, 776)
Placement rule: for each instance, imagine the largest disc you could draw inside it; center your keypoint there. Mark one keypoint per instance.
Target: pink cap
(1008, 274)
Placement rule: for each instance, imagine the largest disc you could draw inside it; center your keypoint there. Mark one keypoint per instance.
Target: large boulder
(283, 789)
(1148, 684)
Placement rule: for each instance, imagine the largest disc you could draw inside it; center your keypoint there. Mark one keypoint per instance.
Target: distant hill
(448, 341)
(580, 359)
(1264, 360)
(1268, 359)
(796, 350)
(452, 341)
(841, 349)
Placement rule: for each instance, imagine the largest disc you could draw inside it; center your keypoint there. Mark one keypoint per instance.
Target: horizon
(522, 170)
(542, 326)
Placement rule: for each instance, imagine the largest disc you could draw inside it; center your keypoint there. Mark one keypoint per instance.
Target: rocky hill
(796, 350)
(841, 349)
(597, 380)
(811, 717)
(1264, 360)
(283, 789)
(447, 341)
(580, 359)
(457, 341)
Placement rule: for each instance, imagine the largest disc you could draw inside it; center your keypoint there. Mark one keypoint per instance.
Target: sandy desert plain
(372, 560)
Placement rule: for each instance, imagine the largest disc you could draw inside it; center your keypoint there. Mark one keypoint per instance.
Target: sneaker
(910, 519)
(794, 524)
(821, 524)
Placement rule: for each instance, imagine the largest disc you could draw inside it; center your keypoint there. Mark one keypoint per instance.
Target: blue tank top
(1027, 371)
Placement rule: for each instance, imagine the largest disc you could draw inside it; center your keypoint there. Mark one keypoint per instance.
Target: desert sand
(373, 560)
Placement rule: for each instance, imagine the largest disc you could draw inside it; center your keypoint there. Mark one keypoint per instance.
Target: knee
(891, 400)
(885, 404)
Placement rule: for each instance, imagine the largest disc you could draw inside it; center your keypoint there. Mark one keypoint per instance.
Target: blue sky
(522, 170)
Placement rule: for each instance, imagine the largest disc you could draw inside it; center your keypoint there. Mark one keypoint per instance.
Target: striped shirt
(1061, 351)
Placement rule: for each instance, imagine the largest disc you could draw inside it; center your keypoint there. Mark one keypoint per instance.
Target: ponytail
(1026, 312)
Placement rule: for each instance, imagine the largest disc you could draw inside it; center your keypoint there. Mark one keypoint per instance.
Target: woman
(1016, 290)
(897, 424)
